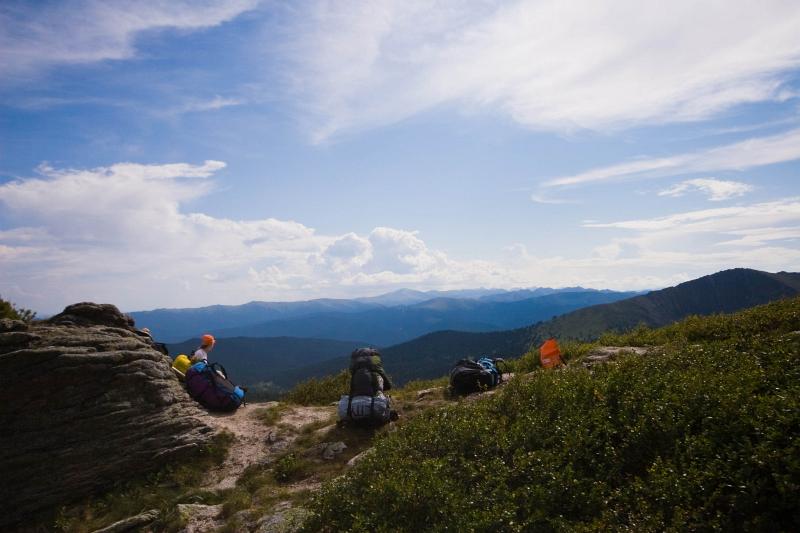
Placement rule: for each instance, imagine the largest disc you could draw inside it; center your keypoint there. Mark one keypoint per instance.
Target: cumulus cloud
(121, 234)
(717, 190)
(86, 31)
(741, 155)
(550, 64)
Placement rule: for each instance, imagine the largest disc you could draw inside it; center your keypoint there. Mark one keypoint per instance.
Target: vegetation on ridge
(703, 435)
(9, 310)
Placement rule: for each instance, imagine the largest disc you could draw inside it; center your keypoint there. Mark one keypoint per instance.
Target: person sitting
(207, 343)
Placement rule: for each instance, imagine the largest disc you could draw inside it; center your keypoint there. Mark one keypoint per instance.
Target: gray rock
(329, 450)
(604, 354)
(284, 519)
(85, 402)
(357, 459)
(7, 324)
(428, 392)
(131, 523)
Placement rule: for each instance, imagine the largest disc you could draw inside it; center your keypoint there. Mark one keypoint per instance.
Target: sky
(181, 154)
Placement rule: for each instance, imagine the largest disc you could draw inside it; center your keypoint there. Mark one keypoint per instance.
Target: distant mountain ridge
(176, 325)
(727, 291)
(391, 325)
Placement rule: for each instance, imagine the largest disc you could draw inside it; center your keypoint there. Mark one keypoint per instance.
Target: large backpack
(365, 410)
(366, 403)
(209, 385)
(468, 376)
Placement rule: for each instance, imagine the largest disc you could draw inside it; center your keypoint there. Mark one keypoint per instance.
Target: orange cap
(207, 340)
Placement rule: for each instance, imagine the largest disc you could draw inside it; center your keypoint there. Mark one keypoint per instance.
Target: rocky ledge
(85, 401)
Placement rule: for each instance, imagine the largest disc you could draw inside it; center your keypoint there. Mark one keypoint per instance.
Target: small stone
(131, 523)
(193, 511)
(356, 459)
(427, 392)
(332, 449)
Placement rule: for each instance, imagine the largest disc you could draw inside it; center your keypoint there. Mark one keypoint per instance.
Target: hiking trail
(255, 441)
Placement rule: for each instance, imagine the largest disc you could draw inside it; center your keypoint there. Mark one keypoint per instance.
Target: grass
(704, 436)
(319, 391)
(269, 416)
(161, 490)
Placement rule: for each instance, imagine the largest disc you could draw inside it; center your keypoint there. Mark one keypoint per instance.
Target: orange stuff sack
(549, 354)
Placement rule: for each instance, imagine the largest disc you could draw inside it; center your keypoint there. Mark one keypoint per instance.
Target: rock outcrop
(85, 401)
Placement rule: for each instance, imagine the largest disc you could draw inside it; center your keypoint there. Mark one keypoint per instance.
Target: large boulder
(85, 400)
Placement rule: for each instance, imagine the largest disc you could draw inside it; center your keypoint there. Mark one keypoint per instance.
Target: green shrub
(289, 468)
(703, 437)
(269, 416)
(9, 310)
(319, 391)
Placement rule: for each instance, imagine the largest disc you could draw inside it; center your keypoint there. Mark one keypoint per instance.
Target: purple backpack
(209, 385)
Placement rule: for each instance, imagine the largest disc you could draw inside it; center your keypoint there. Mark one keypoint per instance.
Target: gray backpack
(365, 409)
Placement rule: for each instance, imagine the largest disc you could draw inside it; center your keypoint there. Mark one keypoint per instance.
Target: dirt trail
(255, 441)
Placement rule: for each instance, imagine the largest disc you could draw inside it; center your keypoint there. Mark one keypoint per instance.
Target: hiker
(207, 343)
(366, 403)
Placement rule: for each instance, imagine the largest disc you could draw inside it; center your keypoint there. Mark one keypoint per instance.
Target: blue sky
(170, 154)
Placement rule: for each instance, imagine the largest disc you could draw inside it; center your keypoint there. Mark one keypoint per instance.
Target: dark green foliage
(9, 310)
(319, 391)
(289, 468)
(704, 436)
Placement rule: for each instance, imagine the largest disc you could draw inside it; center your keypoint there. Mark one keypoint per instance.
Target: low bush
(10, 310)
(319, 391)
(705, 436)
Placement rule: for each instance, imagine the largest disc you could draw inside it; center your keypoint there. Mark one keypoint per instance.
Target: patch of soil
(253, 439)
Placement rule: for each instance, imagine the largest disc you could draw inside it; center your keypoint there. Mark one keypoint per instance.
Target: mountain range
(385, 326)
(433, 354)
(381, 320)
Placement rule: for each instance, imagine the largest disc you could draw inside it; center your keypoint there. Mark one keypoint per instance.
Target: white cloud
(197, 106)
(120, 234)
(550, 64)
(717, 190)
(717, 220)
(741, 155)
(541, 199)
(86, 31)
(761, 235)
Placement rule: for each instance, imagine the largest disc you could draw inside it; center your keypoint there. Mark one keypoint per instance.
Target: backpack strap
(217, 366)
(350, 397)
